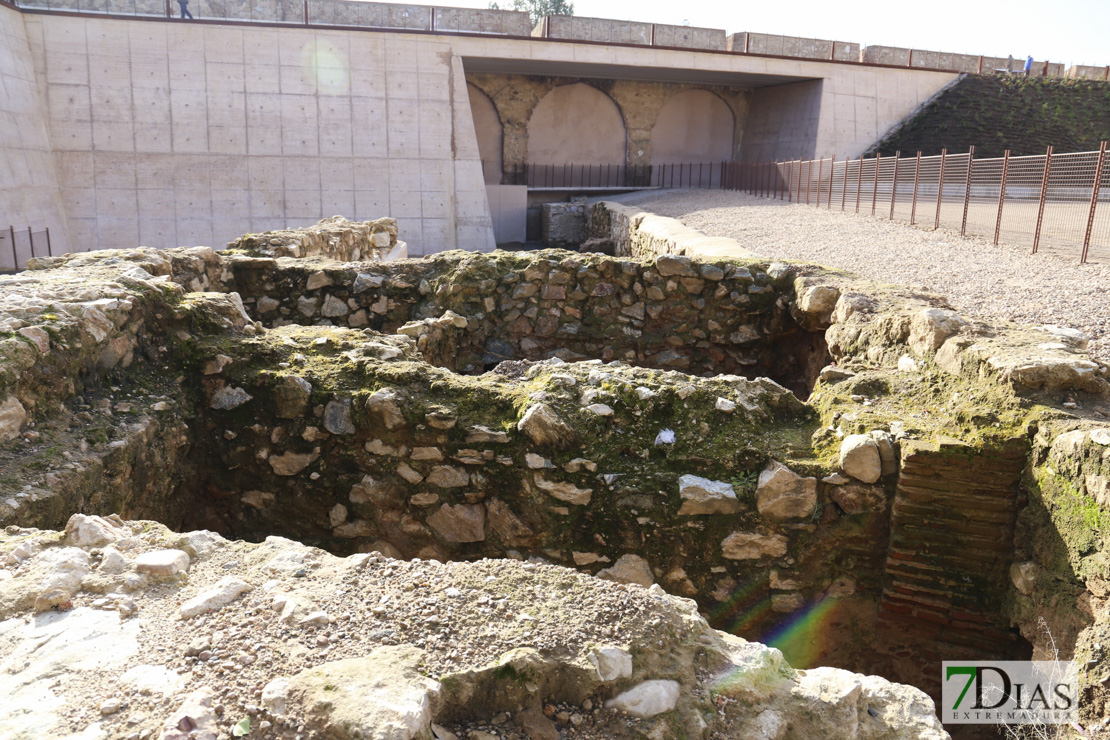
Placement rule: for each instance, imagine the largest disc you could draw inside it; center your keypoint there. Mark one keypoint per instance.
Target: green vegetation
(995, 113)
(537, 9)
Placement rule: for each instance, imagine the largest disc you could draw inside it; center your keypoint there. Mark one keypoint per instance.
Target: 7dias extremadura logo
(1009, 692)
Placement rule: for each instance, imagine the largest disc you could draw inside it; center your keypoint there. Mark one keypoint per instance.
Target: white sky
(1068, 31)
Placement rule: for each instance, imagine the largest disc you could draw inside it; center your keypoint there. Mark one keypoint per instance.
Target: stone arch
(693, 126)
(576, 124)
(488, 129)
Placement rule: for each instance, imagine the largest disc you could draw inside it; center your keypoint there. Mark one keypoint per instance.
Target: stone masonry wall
(516, 96)
(670, 314)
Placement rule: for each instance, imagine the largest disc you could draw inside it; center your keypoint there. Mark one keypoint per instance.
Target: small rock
(752, 546)
(564, 491)
(600, 409)
(725, 405)
(228, 397)
(783, 494)
(291, 463)
(629, 569)
(611, 663)
(337, 417)
(110, 706)
(647, 699)
(387, 403)
(834, 374)
(544, 427)
(162, 563)
(1024, 576)
(461, 523)
(859, 458)
(225, 591)
(704, 496)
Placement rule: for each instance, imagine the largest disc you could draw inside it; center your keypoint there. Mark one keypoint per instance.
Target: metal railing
(610, 176)
(1057, 202)
(16, 247)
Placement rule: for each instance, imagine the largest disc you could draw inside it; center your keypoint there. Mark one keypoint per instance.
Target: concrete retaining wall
(29, 194)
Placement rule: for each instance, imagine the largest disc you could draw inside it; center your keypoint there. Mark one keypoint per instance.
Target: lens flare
(327, 67)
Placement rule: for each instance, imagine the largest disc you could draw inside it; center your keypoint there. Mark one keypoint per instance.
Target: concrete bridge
(122, 126)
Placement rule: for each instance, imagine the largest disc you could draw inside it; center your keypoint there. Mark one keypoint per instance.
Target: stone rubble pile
(124, 629)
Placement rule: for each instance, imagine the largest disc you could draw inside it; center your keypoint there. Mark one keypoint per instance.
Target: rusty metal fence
(16, 247)
(1050, 202)
(610, 176)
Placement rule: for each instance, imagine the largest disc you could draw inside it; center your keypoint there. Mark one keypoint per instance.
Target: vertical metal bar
(832, 50)
(875, 189)
(15, 256)
(1001, 194)
(31, 239)
(967, 189)
(940, 188)
(844, 185)
(820, 175)
(832, 177)
(909, 63)
(306, 12)
(747, 42)
(859, 182)
(49, 246)
(980, 70)
(894, 184)
(916, 178)
(1044, 195)
(1094, 201)
(809, 178)
(701, 177)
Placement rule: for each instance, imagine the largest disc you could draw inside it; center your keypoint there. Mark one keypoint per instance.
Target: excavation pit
(364, 407)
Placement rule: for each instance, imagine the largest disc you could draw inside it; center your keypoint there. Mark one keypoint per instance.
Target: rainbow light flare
(806, 634)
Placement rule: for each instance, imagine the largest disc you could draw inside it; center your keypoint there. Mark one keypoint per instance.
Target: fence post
(832, 179)
(940, 188)
(1094, 201)
(894, 183)
(1002, 194)
(306, 12)
(15, 255)
(967, 189)
(820, 175)
(916, 178)
(809, 179)
(844, 185)
(875, 189)
(859, 181)
(1044, 195)
(31, 240)
(49, 247)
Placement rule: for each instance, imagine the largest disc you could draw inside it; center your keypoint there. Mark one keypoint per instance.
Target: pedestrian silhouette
(1028, 66)
(185, 9)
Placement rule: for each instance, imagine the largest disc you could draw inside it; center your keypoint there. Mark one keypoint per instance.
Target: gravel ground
(975, 276)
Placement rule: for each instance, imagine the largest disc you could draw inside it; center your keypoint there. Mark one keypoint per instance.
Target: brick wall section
(951, 542)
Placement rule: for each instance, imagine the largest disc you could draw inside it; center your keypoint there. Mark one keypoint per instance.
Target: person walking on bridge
(185, 9)
(1028, 65)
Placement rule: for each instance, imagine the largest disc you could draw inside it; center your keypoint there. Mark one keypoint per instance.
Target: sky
(1068, 31)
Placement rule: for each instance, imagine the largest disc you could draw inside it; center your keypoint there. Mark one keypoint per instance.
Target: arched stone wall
(487, 126)
(576, 124)
(693, 126)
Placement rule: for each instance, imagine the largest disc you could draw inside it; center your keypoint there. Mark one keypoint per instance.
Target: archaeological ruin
(852, 471)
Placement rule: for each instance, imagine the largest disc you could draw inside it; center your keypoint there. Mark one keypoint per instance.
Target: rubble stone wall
(670, 314)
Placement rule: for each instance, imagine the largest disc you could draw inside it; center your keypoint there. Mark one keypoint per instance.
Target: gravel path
(976, 277)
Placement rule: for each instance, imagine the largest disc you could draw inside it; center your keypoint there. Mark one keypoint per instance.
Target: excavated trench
(470, 406)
